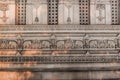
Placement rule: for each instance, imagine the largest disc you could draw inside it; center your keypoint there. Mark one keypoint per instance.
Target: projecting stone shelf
(57, 27)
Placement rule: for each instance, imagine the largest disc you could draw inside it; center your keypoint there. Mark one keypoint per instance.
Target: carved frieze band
(85, 43)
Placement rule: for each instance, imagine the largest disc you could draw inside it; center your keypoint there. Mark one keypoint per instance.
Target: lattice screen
(52, 12)
(115, 11)
(21, 12)
(84, 12)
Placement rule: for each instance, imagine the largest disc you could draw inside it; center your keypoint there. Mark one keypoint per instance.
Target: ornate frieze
(55, 43)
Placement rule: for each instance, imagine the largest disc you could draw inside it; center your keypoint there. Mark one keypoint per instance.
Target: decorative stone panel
(36, 12)
(68, 12)
(100, 12)
(7, 12)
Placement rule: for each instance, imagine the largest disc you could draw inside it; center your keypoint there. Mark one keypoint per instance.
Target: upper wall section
(53, 12)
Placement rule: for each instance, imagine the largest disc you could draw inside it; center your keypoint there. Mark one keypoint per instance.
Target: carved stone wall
(67, 52)
(62, 12)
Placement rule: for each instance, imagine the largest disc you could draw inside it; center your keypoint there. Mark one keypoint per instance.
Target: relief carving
(52, 43)
(68, 4)
(100, 8)
(4, 7)
(36, 4)
(102, 44)
(100, 11)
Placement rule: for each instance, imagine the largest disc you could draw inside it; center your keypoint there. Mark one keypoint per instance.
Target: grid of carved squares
(115, 11)
(84, 11)
(21, 12)
(52, 12)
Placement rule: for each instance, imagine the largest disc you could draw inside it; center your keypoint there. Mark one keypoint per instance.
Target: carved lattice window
(52, 12)
(115, 11)
(21, 11)
(84, 11)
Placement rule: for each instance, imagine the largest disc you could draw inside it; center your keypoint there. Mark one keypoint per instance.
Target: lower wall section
(90, 75)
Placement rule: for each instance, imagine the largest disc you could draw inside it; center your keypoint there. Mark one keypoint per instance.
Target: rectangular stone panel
(7, 12)
(36, 12)
(100, 12)
(68, 12)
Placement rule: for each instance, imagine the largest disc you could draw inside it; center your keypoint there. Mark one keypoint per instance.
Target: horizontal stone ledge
(73, 49)
(65, 67)
(61, 32)
(59, 27)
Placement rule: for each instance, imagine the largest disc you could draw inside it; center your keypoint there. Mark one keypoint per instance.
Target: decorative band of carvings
(53, 44)
(62, 59)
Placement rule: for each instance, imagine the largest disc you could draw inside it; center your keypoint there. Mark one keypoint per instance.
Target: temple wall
(52, 40)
